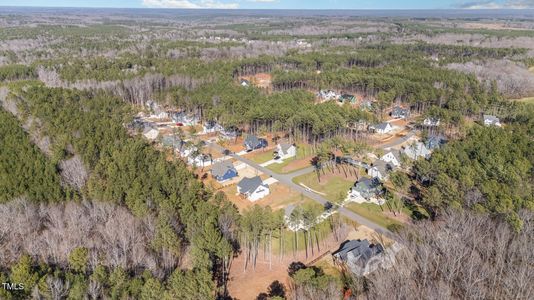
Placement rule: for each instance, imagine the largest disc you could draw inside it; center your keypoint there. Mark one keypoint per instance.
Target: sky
(282, 4)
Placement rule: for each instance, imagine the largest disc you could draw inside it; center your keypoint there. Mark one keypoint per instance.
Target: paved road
(398, 141)
(287, 180)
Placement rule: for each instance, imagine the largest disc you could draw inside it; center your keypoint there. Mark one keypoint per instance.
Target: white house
(431, 122)
(201, 160)
(186, 151)
(253, 188)
(184, 119)
(382, 128)
(211, 127)
(490, 120)
(161, 115)
(380, 169)
(327, 95)
(285, 150)
(392, 157)
(417, 150)
(151, 133)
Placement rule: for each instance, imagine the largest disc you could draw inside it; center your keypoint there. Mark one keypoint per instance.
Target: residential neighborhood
(267, 150)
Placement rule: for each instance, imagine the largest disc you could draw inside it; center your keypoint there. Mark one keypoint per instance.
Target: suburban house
(435, 141)
(356, 255)
(200, 160)
(156, 111)
(347, 98)
(184, 119)
(252, 142)
(380, 169)
(172, 142)
(417, 150)
(382, 128)
(253, 188)
(490, 120)
(400, 113)
(327, 95)
(211, 127)
(366, 188)
(187, 149)
(392, 157)
(223, 171)
(151, 133)
(244, 82)
(431, 122)
(285, 150)
(229, 133)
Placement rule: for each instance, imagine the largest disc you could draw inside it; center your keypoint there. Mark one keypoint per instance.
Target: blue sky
(282, 4)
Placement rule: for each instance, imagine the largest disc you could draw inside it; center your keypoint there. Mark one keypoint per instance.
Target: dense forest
(106, 215)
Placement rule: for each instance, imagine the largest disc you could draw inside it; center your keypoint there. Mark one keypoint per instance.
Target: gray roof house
(223, 170)
(393, 157)
(356, 254)
(380, 169)
(435, 141)
(399, 112)
(171, 141)
(417, 150)
(382, 127)
(253, 188)
(252, 142)
(490, 120)
(368, 187)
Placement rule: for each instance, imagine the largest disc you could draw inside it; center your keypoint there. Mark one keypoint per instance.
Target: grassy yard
(260, 156)
(529, 100)
(372, 212)
(300, 161)
(332, 186)
(290, 239)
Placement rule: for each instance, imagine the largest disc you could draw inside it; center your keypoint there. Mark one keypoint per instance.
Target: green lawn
(303, 151)
(333, 188)
(372, 212)
(260, 156)
(529, 100)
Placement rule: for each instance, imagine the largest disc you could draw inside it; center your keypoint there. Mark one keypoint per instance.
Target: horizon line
(288, 9)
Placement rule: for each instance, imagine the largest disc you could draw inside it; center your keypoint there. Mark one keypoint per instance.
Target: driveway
(287, 180)
(399, 140)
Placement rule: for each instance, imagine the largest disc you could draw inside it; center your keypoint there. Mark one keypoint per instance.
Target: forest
(105, 214)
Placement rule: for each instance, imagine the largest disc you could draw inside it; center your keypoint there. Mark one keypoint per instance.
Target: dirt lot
(262, 80)
(296, 164)
(247, 285)
(280, 196)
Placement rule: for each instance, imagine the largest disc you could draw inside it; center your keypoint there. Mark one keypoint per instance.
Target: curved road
(287, 180)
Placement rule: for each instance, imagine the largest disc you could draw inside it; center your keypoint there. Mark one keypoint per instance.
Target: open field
(334, 185)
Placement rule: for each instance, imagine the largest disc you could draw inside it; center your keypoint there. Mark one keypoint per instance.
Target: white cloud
(188, 4)
(263, 1)
(510, 4)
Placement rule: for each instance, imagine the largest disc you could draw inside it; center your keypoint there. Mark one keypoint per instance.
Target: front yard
(332, 185)
(374, 213)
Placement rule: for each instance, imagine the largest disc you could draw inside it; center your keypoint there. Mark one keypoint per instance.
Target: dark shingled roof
(249, 184)
(362, 250)
(252, 140)
(220, 168)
